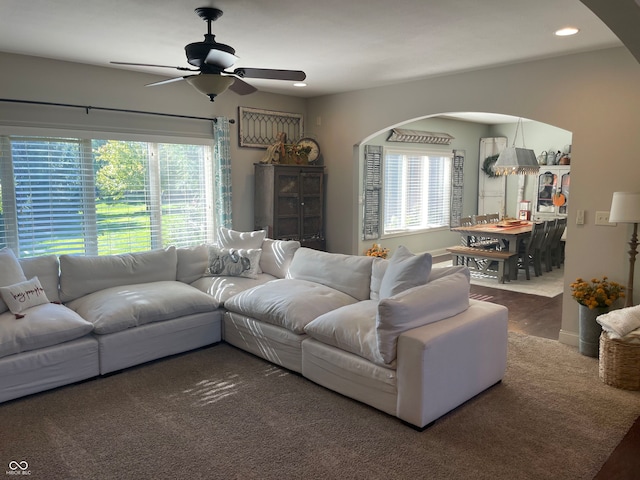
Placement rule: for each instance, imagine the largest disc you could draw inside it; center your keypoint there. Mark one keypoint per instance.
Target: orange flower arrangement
(377, 251)
(597, 293)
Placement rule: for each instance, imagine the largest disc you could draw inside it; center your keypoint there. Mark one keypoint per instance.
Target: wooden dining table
(510, 235)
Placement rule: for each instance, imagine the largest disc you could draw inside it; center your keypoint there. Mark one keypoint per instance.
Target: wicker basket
(619, 363)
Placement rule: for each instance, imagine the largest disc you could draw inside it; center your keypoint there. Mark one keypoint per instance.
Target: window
(90, 196)
(416, 190)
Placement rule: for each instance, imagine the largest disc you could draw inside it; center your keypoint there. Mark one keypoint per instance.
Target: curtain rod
(87, 108)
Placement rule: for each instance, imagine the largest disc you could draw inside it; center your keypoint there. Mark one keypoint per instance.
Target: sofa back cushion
(192, 263)
(228, 238)
(439, 299)
(10, 272)
(404, 271)
(47, 269)
(82, 275)
(349, 274)
(277, 256)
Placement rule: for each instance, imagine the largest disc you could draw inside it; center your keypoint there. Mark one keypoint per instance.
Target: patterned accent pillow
(23, 295)
(231, 262)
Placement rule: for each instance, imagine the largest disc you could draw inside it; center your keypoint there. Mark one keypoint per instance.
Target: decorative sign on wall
(261, 128)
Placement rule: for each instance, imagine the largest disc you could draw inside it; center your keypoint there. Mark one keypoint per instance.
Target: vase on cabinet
(590, 330)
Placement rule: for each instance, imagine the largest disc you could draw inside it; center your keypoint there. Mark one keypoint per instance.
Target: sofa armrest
(443, 364)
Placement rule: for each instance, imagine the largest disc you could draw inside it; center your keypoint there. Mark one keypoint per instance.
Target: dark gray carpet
(222, 413)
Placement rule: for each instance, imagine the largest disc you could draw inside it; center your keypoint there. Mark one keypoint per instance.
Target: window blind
(65, 195)
(417, 190)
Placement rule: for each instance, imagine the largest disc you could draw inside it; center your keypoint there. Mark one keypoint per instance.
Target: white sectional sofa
(396, 335)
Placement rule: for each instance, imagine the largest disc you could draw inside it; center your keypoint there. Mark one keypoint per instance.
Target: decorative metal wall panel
(260, 128)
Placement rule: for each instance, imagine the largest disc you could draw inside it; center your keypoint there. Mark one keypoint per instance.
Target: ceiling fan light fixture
(210, 84)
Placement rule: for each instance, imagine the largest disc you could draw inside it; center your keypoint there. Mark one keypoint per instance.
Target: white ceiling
(342, 45)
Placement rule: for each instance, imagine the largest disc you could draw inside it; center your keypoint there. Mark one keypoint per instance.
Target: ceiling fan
(212, 59)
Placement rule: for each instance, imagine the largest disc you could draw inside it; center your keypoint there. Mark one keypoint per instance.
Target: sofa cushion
(351, 328)
(288, 303)
(442, 298)
(378, 269)
(47, 269)
(233, 262)
(228, 238)
(192, 262)
(46, 325)
(223, 288)
(118, 308)
(82, 275)
(277, 256)
(404, 271)
(24, 295)
(10, 272)
(350, 274)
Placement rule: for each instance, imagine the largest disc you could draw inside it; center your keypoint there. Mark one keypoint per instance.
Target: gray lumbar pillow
(405, 271)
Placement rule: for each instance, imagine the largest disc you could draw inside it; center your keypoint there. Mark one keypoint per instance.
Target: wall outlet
(602, 218)
(580, 217)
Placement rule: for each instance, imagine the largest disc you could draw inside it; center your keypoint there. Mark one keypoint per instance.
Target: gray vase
(590, 330)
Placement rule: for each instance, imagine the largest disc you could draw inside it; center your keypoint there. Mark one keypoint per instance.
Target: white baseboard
(569, 338)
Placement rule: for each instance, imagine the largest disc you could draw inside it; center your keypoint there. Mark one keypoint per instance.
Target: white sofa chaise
(396, 335)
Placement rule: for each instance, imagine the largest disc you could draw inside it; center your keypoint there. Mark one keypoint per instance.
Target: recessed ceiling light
(300, 84)
(567, 31)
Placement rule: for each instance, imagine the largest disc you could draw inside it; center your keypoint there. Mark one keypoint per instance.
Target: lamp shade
(210, 84)
(514, 161)
(625, 207)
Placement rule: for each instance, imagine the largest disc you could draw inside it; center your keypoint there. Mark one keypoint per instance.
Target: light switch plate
(580, 217)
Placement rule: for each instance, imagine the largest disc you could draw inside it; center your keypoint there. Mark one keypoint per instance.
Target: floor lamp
(625, 208)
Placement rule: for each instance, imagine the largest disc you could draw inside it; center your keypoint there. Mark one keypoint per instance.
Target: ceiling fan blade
(220, 58)
(168, 80)
(153, 65)
(270, 74)
(241, 87)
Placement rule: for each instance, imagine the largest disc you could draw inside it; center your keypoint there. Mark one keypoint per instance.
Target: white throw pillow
(404, 271)
(277, 256)
(228, 238)
(10, 272)
(442, 298)
(23, 295)
(233, 262)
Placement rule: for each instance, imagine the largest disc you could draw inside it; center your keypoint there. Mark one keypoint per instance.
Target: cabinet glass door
(563, 200)
(547, 187)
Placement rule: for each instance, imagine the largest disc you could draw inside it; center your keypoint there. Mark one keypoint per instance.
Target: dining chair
(554, 253)
(528, 255)
(493, 217)
(479, 219)
(542, 256)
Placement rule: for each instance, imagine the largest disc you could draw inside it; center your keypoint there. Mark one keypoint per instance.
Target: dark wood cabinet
(289, 203)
